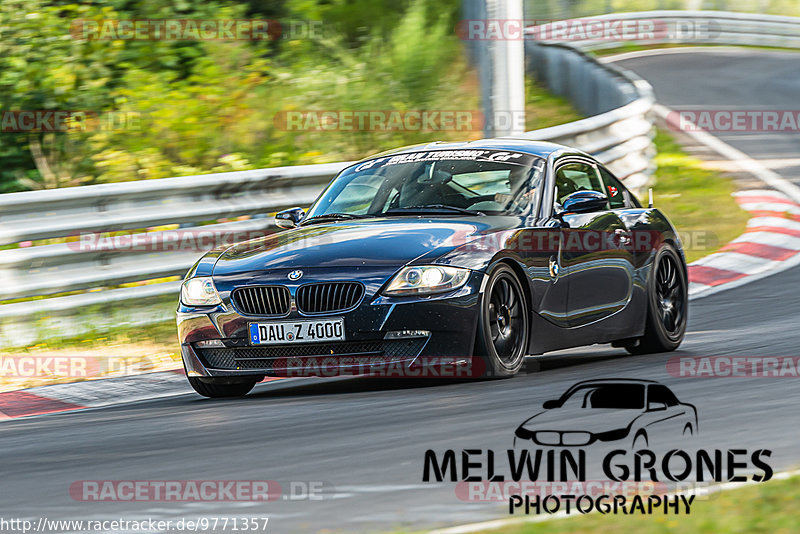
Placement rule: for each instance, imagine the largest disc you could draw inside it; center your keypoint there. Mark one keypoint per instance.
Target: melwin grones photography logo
(623, 429)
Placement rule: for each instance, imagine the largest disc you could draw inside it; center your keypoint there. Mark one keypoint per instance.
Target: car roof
(601, 381)
(543, 149)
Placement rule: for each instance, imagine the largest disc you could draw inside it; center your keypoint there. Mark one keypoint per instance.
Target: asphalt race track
(365, 438)
(746, 80)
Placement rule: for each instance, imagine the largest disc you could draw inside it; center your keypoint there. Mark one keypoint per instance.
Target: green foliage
(189, 107)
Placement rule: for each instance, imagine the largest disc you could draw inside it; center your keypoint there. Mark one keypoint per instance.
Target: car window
(485, 181)
(362, 191)
(660, 393)
(608, 396)
(618, 195)
(573, 177)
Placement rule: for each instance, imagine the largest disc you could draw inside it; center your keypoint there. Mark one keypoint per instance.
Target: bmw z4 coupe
(472, 254)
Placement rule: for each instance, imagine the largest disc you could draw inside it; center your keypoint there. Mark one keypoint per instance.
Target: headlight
(426, 279)
(199, 291)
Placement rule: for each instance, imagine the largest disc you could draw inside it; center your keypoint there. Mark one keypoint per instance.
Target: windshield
(441, 181)
(613, 396)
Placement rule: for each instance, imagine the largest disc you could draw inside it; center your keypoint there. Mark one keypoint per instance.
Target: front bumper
(402, 332)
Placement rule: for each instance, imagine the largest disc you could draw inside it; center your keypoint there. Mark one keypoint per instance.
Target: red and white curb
(771, 242)
(91, 394)
(59, 398)
(769, 245)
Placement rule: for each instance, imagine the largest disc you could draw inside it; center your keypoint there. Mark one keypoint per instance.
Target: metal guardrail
(45, 270)
(619, 134)
(706, 28)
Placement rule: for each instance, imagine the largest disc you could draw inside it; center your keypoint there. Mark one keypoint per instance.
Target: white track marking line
(516, 521)
(770, 178)
(689, 49)
(742, 160)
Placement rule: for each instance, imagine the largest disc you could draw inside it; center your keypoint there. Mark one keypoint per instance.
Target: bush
(210, 106)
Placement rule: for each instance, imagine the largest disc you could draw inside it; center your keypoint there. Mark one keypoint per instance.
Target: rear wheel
(502, 338)
(228, 388)
(667, 304)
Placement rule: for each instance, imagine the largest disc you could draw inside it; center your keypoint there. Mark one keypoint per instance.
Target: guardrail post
(501, 65)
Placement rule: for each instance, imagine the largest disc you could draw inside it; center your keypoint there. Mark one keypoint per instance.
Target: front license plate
(276, 333)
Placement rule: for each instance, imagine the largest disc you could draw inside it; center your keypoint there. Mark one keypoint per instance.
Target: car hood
(581, 419)
(369, 242)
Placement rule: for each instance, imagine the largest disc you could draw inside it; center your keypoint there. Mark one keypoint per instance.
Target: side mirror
(549, 405)
(656, 406)
(585, 202)
(289, 218)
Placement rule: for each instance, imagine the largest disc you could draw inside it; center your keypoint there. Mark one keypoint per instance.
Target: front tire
(216, 390)
(502, 338)
(667, 304)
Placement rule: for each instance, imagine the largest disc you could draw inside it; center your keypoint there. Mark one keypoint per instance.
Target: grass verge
(771, 508)
(544, 109)
(697, 200)
(121, 351)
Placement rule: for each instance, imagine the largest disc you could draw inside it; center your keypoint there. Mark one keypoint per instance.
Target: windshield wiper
(428, 207)
(334, 217)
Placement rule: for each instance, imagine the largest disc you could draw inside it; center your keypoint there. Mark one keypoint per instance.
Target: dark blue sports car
(470, 254)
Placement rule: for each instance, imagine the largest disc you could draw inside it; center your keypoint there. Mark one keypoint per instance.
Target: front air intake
(329, 297)
(262, 300)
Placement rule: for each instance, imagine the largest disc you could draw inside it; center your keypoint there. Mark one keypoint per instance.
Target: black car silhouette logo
(613, 409)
